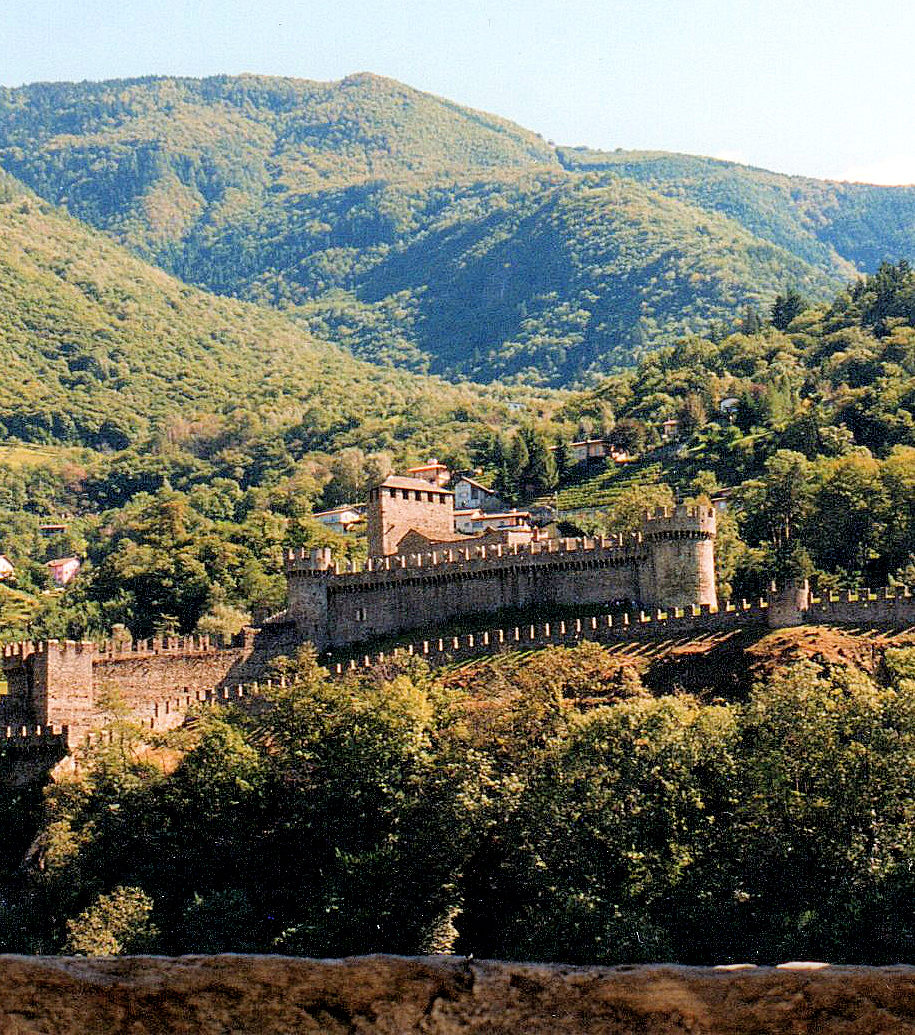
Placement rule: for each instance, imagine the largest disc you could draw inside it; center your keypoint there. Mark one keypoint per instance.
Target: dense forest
(431, 236)
(401, 812)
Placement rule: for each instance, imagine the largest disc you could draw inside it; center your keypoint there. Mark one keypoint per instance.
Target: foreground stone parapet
(389, 995)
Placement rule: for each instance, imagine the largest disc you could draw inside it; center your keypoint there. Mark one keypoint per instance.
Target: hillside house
(463, 519)
(470, 495)
(63, 570)
(6, 568)
(479, 522)
(670, 429)
(591, 449)
(341, 519)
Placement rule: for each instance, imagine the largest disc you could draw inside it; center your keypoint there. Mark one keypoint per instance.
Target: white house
(470, 494)
(6, 568)
(341, 519)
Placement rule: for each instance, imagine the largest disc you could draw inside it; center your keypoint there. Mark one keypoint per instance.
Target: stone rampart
(669, 563)
(137, 679)
(348, 603)
(894, 608)
(890, 608)
(605, 628)
(29, 752)
(74, 684)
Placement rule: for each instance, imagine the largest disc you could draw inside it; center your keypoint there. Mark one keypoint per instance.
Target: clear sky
(819, 87)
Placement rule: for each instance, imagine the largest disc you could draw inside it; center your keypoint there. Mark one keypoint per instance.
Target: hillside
(103, 348)
(828, 223)
(425, 234)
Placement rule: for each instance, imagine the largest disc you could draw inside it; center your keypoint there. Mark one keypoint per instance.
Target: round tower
(681, 549)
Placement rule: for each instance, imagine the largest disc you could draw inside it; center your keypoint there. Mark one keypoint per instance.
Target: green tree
(114, 925)
(773, 510)
(786, 307)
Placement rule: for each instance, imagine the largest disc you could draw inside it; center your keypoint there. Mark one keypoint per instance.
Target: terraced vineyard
(599, 488)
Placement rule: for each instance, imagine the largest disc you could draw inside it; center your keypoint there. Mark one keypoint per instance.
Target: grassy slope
(422, 233)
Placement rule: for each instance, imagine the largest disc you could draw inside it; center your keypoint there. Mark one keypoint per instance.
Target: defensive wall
(62, 694)
(74, 685)
(791, 605)
(29, 751)
(668, 564)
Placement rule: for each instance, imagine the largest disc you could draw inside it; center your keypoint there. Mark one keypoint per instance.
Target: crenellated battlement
(890, 608)
(60, 689)
(65, 648)
(305, 561)
(603, 628)
(36, 733)
(110, 650)
(171, 711)
(20, 650)
(678, 521)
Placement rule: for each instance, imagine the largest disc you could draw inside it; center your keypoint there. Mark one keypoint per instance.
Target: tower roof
(399, 481)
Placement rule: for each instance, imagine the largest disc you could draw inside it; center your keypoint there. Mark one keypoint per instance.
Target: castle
(656, 583)
(421, 574)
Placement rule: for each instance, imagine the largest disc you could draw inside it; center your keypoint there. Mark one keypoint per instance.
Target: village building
(6, 568)
(670, 429)
(341, 519)
(63, 570)
(470, 494)
(434, 472)
(591, 449)
(476, 523)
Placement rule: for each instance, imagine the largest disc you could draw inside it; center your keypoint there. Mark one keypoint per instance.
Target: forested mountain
(100, 349)
(439, 238)
(831, 224)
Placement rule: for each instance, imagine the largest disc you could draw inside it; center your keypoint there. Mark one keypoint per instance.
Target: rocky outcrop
(388, 995)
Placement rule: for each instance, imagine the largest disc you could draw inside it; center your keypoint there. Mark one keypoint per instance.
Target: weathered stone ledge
(389, 995)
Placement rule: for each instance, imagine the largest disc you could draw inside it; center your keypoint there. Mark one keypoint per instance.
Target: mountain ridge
(105, 350)
(418, 232)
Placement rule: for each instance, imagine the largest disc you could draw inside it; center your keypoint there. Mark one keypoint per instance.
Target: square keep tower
(399, 505)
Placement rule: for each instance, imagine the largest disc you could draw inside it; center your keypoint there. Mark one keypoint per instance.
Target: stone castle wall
(161, 680)
(71, 684)
(890, 609)
(669, 564)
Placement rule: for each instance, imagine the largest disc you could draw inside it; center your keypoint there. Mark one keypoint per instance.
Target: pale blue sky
(803, 86)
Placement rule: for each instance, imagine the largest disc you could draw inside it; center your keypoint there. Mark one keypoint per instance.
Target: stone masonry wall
(66, 684)
(669, 564)
(139, 681)
(408, 503)
(444, 995)
(337, 606)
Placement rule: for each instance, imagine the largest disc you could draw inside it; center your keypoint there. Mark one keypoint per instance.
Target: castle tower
(307, 592)
(399, 505)
(62, 684)
(681, 547)
(788, 604)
